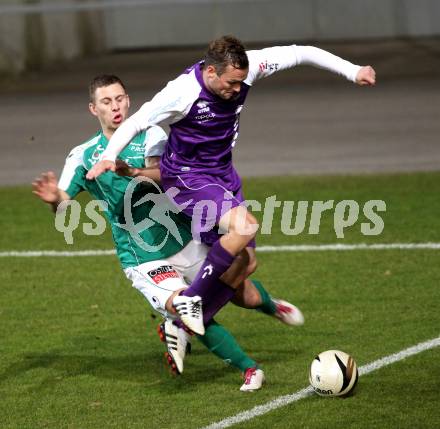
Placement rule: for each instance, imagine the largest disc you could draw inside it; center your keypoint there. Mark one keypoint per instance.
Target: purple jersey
(202, 141)
(204, 127)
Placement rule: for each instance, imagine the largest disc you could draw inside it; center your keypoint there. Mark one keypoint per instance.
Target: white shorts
(157, 280)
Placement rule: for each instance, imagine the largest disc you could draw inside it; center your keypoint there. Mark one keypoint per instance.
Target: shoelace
(250, 372)
(195, 309)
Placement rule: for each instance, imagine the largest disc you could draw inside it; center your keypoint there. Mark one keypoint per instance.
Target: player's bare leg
(252, 294)
(252, 263)
(241, 227)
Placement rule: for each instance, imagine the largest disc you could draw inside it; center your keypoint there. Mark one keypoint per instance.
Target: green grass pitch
(79, 348)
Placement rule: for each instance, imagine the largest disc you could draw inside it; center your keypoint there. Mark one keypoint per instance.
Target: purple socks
(214, 293)
(206, 282)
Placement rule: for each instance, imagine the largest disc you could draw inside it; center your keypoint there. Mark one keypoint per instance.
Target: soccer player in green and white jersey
(159, 258)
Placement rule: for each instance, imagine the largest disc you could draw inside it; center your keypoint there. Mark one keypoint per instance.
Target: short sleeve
(73, 176)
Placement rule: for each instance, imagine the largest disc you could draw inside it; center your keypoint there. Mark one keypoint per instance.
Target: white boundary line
(261, 249)
(361, 246)
(308, 391)
(39, 253)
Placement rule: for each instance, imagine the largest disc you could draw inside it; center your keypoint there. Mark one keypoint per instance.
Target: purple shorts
(205, 199)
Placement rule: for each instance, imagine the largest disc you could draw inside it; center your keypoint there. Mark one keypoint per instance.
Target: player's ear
(211, 71)
(128, 100)
(92, 109)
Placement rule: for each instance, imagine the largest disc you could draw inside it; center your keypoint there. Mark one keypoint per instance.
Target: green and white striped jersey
(158, 241)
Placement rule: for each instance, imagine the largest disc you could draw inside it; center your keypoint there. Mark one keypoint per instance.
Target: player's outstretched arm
(316, 57)
(265, 62)
(46, 188)
(366, 76)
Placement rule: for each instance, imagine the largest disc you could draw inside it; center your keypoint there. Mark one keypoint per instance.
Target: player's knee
(244, 224)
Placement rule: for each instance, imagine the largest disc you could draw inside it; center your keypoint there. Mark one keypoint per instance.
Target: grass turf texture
(79, 348)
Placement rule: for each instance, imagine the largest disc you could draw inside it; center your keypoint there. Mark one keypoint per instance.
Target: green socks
(221, 342)
(267, 306)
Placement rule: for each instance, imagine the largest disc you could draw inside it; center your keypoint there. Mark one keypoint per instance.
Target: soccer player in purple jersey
(202, 107)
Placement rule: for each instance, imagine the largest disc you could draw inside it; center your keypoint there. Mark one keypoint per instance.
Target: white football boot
(177, 341)
(253, 380)
(288, 313)
(190, 312)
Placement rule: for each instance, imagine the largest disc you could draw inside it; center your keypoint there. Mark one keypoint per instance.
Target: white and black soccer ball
(333, 373)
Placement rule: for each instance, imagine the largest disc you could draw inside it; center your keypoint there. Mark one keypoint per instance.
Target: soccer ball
(333, 373)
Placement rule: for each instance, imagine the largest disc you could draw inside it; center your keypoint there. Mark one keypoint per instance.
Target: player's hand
(366, 76)
(100, 168)
(123, 169)
(45, 187)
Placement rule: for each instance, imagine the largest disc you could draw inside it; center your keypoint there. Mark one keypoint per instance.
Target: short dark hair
(227, 50)
(100, 81)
